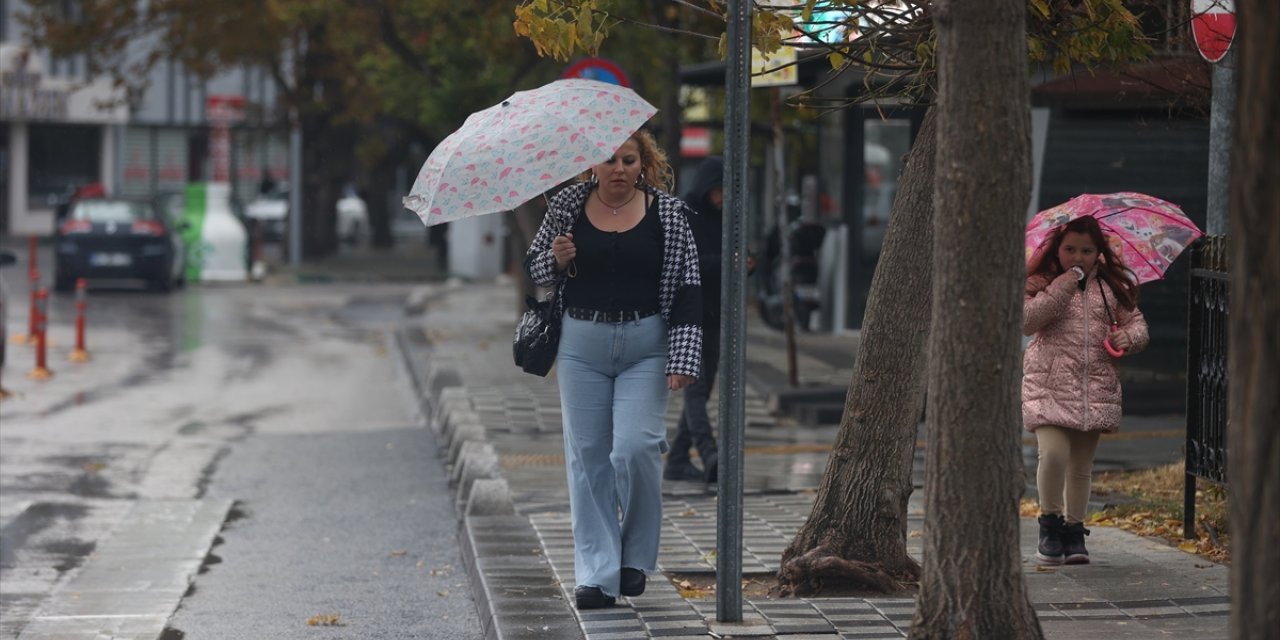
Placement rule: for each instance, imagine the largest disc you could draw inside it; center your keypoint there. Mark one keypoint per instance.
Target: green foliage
(893, 41)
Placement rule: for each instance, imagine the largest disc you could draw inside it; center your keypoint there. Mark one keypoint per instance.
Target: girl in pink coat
(1081, 307)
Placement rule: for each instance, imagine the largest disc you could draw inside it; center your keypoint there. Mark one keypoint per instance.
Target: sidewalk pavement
(500, 430)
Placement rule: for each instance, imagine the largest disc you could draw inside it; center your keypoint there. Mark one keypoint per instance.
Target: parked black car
(117, 238)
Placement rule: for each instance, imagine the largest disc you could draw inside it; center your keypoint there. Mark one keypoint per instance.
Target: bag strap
(1105, 306)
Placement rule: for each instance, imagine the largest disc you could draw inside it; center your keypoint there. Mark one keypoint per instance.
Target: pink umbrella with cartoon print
(1145, 232)
(512, 152)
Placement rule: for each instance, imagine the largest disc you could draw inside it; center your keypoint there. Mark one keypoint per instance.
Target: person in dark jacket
(706, 198)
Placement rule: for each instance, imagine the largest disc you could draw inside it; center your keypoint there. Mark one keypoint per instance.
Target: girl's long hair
(1110, 268)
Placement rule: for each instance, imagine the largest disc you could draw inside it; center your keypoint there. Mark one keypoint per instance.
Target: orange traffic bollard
(33, 245)
(80, 354)
(41, 372)
(34, 276)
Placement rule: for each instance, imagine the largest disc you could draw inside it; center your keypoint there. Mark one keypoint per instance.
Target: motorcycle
(805, 241)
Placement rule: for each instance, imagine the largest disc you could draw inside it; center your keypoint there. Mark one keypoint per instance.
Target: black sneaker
(1050, 549)
(681, 470)
(1073, 544)
(632, 582)
(592, 598)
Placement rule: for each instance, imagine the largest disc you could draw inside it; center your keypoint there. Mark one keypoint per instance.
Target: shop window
(60, 158)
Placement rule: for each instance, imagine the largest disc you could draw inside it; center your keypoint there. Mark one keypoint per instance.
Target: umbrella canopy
(1145, 232)
(510, 153)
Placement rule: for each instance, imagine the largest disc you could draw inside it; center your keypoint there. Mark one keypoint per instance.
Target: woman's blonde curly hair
(654, 168)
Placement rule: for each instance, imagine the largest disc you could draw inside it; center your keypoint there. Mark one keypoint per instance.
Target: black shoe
(632, 582)
(682, 470)
(1050, 549)
(711, 463)
(1073, 544)
(592, 598)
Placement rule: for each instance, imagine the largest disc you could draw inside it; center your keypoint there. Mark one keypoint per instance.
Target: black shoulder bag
(537, 336)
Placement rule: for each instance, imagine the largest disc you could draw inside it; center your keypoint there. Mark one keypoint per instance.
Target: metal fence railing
(1207, 316)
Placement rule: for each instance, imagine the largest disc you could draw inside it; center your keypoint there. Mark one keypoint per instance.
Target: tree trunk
(379, 180)
(327, 160)
(972, 585)
(1252, 436)
(856, 535)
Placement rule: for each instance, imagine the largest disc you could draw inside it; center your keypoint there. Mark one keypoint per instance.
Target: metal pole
(733, 302)
(295, 192)
(779, 178)
(1220, 113)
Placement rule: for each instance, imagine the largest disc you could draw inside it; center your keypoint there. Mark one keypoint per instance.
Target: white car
(272, 212)
(353, 219)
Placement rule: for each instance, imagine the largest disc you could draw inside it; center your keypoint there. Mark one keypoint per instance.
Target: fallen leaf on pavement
(325, 620)
(398, 553)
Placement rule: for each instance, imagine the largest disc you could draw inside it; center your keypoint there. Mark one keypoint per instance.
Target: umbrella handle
(1106, 344)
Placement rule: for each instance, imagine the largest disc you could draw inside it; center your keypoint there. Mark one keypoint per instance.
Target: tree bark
(856, 535)
(1253, 440)
(972, 585)
(322, 151)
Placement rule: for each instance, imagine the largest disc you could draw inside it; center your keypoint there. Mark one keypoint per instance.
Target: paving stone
(882, 631)
(739, 630)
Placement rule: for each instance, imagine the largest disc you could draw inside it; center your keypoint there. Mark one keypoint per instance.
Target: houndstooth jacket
(679, 293)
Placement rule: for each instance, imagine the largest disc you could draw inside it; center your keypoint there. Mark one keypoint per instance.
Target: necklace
(615, 209)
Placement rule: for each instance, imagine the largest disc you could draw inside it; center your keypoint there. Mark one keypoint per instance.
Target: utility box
(476, 247)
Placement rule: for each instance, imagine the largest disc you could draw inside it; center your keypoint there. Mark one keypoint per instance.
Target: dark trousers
(695, 425)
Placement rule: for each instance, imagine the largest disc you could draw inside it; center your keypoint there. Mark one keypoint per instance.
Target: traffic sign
(597, 69)
(1213, 23)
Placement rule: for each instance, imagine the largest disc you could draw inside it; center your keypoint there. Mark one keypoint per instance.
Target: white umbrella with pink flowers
(512, 152)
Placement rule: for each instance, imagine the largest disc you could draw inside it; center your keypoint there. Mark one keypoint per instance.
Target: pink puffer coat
(1069, 380)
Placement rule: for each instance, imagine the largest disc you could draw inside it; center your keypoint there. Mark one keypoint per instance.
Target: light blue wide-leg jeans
(613, 393)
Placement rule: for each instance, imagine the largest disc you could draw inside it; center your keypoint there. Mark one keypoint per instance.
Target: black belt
(613, 317)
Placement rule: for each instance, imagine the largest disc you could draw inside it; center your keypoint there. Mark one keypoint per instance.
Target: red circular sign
(1213, 23)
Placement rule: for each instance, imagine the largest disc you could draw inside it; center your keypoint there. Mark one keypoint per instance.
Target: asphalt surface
(234, 461)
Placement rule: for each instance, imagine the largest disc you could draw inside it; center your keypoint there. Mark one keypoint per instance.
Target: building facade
(61, 130)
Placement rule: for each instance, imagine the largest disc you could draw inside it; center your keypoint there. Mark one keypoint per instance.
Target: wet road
(274, 423)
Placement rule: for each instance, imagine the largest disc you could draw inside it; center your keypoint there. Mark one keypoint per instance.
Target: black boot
(681, 469)
(1051, 532)
(591, 598)
(632, 583)
(1073, 544)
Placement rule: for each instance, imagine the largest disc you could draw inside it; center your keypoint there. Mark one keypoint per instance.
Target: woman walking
(1081, 307)
(631, 334)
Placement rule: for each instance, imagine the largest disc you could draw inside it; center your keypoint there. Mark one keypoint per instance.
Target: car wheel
(162, 284)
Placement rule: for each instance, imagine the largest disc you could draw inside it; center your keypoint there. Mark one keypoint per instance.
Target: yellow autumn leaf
(1188, 546)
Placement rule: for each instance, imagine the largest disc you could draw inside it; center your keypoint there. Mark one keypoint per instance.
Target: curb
(515, 590)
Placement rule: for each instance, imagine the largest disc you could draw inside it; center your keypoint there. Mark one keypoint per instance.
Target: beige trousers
(1066, 462)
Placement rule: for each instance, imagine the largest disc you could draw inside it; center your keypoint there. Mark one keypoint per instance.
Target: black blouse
(617, 270)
